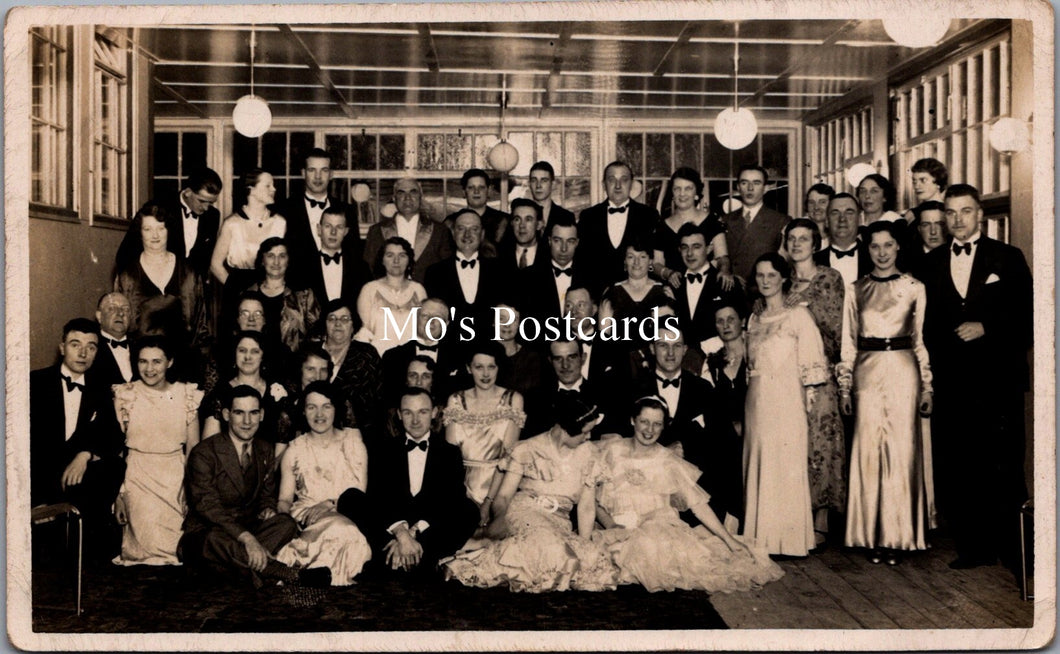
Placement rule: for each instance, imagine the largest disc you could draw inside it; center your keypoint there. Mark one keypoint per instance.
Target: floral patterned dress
(155, 424)
(542, 552)
(827, 441)
(480, 437)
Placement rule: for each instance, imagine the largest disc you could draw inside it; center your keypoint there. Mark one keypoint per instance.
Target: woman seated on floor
(641, 487)
(530, 545)
(317, 467)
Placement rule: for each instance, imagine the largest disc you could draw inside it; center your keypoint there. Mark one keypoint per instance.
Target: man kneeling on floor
(231, 488)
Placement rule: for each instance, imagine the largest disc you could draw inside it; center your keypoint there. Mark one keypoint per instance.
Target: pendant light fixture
(734, 127)
(252, 116)
(503, 157)
(926, 30)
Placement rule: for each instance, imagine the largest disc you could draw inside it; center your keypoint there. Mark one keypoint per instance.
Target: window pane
(775, 154)
(576, 194)
(338, 147)
(630, 149)
(457, 152)
(748, 155)
(244, 154)
(301, 144)
(274, 153)
(454, 197)
(433, 205)
(686, 151)
(392, 152)
(577, 154)
(339, 188)
(483, 144)
(363, 155)
(524, 144)
(650, 194)
(194, 157)
(548, 146)
(166, 155)
(165, 188)
(659, 159)
(715, 159)
(429, 151)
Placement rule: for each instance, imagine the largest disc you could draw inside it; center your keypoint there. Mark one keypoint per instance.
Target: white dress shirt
(961, 265)
(407, 228)
(71, 400)
(191, 228)
(332, 277)
(671, 393)
(847, 266)
(694, 291)
(587, 349)
(616, 223)
(531, 254)
(562, 284)
(468, 276)
(121, 355)
(750, 213)
(239, 443)
(315, 214)
(417, 459)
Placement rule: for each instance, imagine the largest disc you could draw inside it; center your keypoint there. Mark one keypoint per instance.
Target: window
(110, 156)
(365, 167)
(175, 155)
(838, 144)
(278, 153)
(654, 156)
(50, 117)
(570, 154)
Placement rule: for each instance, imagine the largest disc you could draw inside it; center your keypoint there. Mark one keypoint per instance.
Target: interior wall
(70, 268)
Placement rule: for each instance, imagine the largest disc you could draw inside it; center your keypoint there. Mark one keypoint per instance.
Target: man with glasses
(978, 327)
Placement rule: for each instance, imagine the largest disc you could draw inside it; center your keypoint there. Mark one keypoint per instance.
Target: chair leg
(80, 553)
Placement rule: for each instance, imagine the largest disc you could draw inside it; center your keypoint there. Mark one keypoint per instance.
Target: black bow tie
(567, 392)
(316, 204)
(694, 278)
(839, 254)
(622, 209)
(71, 384)
(561, 271)
(429, 348)
(666, 383)
(411, 444)
(468, 263)
(188, 213)
(335, 258)
(966, 248)
(114, 343)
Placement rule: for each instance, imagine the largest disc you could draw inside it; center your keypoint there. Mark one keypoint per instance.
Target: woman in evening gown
(785, 360)
(393, 291)
(484, 422)
(161, 426)
(885, 363)
(641, 487)
(318, 467)
(530, 545)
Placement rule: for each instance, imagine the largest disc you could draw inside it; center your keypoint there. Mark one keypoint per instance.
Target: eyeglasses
(246, 313)
(339, 319)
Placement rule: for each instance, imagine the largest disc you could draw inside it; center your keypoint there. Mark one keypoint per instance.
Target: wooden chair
(1026, 515)
(49, 513)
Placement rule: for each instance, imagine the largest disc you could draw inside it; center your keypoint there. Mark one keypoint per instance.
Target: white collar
(113, 337)
(576, 386)
(70, 373)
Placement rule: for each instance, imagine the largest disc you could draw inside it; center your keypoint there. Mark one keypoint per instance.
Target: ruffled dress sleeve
(685, 489)
(193, 396)
(124, 399)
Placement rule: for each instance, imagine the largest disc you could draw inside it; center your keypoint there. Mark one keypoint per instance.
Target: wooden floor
(840, 589)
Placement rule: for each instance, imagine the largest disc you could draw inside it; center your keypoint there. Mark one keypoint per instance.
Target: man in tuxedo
(199, 219)
(357, 369)
(702, 286)
(433, 341)
(930, 221)
(521, 247)
(476, 185)
(544, 289)
(467, 282)
(231, 483)
(978, 328)
(333, 272)
(753, 229)
(567, 359)
(304, 214)
(75, 442)
(542, 177)
(416, 509)
(430, 242)
(113, 364)
(699, 429)
(846, 253)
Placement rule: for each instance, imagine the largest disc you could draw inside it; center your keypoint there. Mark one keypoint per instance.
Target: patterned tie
(747, 216)
(522, 259)
(244, 458)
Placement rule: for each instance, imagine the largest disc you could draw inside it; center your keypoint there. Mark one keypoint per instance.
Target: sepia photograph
(500, 326)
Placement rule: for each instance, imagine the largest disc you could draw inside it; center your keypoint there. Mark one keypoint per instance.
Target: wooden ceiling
(680, 69)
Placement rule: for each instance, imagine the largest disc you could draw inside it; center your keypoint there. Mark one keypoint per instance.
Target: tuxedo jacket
(554, 211)
(201, 251)
(434, 242)
(1000, 295)
(443, 282)
(105, 367)
(540, 416)
(355, 275)
(748, 243)
(824, 258)
(300, 239)
(595, 252)
(700, 326)
(97, 429)
(450, 373)
(538, 297)
(219, 494)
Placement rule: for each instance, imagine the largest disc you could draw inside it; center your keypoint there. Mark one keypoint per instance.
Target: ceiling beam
(803, 62)
(682, 38)
(560, 51)
(181, 100)
(430, 52)
(310, 62)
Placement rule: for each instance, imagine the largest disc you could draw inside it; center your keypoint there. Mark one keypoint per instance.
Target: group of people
(270, 394)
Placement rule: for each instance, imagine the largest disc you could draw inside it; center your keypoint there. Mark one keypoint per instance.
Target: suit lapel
(980, 268)
(226, 452)
(423, 236)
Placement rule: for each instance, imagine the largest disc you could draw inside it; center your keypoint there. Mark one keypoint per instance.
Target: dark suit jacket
(595, 252)
(555, 211)
(218, 496)
(998, 360)
(824, 258)
(699, 327)
(300, 239)
(105, 367)
(442, 501)
(201, 251)
(450, 374)
(537, 296)
(434, 242)
(355, 274)
(494, 229)
(539, 414)
(747, 244)
(443, 282)
(97, 430)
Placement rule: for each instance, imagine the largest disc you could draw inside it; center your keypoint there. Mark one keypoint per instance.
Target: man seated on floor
(416, 499)
(231, 489)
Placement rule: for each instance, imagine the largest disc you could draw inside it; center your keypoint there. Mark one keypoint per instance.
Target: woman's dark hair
(133, 245)
(380, 271)
(328, 390)
(930, 205)
(935, 168)
(484, 346)
(806, 223)
(310, 349)
(258, 338)
(691, 175)
(729, 303)
(152, 340)
(890, 194)
(779, 263)
(248, 181)
(267, 245)
(335, 305)
(640, 244)
(882, 226)
(572, 413)
(254, 296)
(651, 402)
